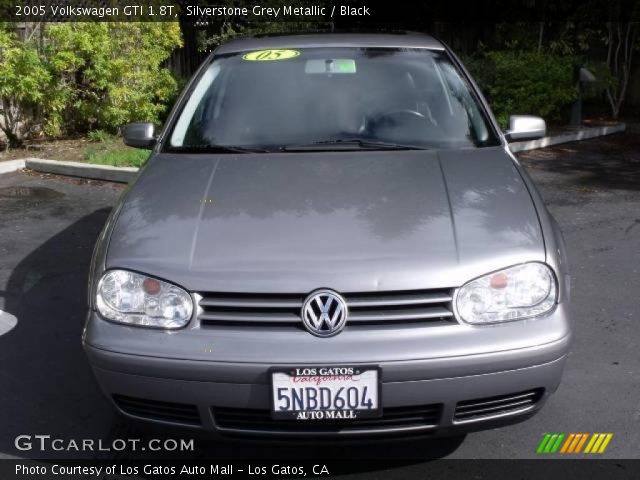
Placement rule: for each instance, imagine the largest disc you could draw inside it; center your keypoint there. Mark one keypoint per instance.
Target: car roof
(366, 40)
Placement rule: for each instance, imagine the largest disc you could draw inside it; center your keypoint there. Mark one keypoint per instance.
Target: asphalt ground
(48, 226)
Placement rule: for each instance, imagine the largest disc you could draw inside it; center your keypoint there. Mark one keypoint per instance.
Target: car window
(412, 97)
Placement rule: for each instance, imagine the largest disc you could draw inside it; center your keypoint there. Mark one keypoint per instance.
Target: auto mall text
(151, 469)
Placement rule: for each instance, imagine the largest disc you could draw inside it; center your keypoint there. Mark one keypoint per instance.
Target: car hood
(351, 221)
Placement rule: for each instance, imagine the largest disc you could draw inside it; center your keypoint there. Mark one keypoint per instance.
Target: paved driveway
(48, 227)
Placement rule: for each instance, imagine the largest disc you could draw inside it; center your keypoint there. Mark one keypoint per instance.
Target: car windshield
(329, 98)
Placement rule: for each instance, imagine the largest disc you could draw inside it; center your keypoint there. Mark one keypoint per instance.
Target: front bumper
(502, 386)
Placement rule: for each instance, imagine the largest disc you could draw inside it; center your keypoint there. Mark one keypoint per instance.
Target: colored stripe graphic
(581, 443)
(573, 443)
(555, 447)
(576, 439)
(598, 443)
(594, 439)
(570, 438)
(543, 443)
(604, 445)
(550, 443)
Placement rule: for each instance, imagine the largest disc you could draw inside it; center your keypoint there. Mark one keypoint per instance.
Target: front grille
(161, 411)
(497, 406)
(283, 310)
(393, 420)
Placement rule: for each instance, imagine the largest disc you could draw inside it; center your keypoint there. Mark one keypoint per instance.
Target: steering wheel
(403, 118)
(406, 113)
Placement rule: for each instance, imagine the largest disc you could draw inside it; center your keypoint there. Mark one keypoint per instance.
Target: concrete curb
(580, 134)
(11, 166)
(85, 170)
(128, 174)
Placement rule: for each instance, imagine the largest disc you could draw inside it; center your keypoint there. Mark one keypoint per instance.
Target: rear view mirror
(139, 135)
(525, 127)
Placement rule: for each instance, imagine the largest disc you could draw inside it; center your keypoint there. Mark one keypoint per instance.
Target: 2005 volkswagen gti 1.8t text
(330, 237)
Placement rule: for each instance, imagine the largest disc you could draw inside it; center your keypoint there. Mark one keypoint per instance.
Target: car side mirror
(525, 127)
(139, 135)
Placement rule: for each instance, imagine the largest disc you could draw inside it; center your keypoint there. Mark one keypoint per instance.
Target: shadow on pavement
(603, 163)
(47, 386)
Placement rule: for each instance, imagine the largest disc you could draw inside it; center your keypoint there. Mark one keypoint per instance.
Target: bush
(525, 83)
(99, 136)
(23, 82)
(76, 77)
(108, 74)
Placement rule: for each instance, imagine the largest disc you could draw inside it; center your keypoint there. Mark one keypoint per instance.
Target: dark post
(582, 76)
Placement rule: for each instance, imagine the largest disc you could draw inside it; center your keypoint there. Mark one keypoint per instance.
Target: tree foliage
(621, 44)
(23, 81)
(525, 83)
(108, 74)
(87, 76)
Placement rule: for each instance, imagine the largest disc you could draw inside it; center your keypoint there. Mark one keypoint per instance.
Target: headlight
(135, 299)
(513, 293)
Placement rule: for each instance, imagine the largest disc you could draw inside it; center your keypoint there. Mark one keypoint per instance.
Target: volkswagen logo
(324, 313)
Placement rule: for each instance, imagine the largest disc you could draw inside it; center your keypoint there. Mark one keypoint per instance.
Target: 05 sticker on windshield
(273, 54)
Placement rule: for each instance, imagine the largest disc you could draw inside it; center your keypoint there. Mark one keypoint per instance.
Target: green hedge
(71, 78)
(525, 83)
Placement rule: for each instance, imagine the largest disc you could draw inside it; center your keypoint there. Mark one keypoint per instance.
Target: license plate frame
(345, 415)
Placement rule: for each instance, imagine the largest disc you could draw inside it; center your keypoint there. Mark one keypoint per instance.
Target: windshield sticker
(265, 55)
(331, 65)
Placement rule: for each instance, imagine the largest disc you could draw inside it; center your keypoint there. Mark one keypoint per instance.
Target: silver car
(330, 238)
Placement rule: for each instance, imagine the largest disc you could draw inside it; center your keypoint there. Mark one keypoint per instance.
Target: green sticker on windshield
(345, 65)
(265, 55)
(330, 65)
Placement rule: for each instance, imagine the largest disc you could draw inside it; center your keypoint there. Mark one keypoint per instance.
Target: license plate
(325, 393)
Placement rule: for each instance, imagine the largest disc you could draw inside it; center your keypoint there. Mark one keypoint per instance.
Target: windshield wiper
(350, 144)
(217, 149)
